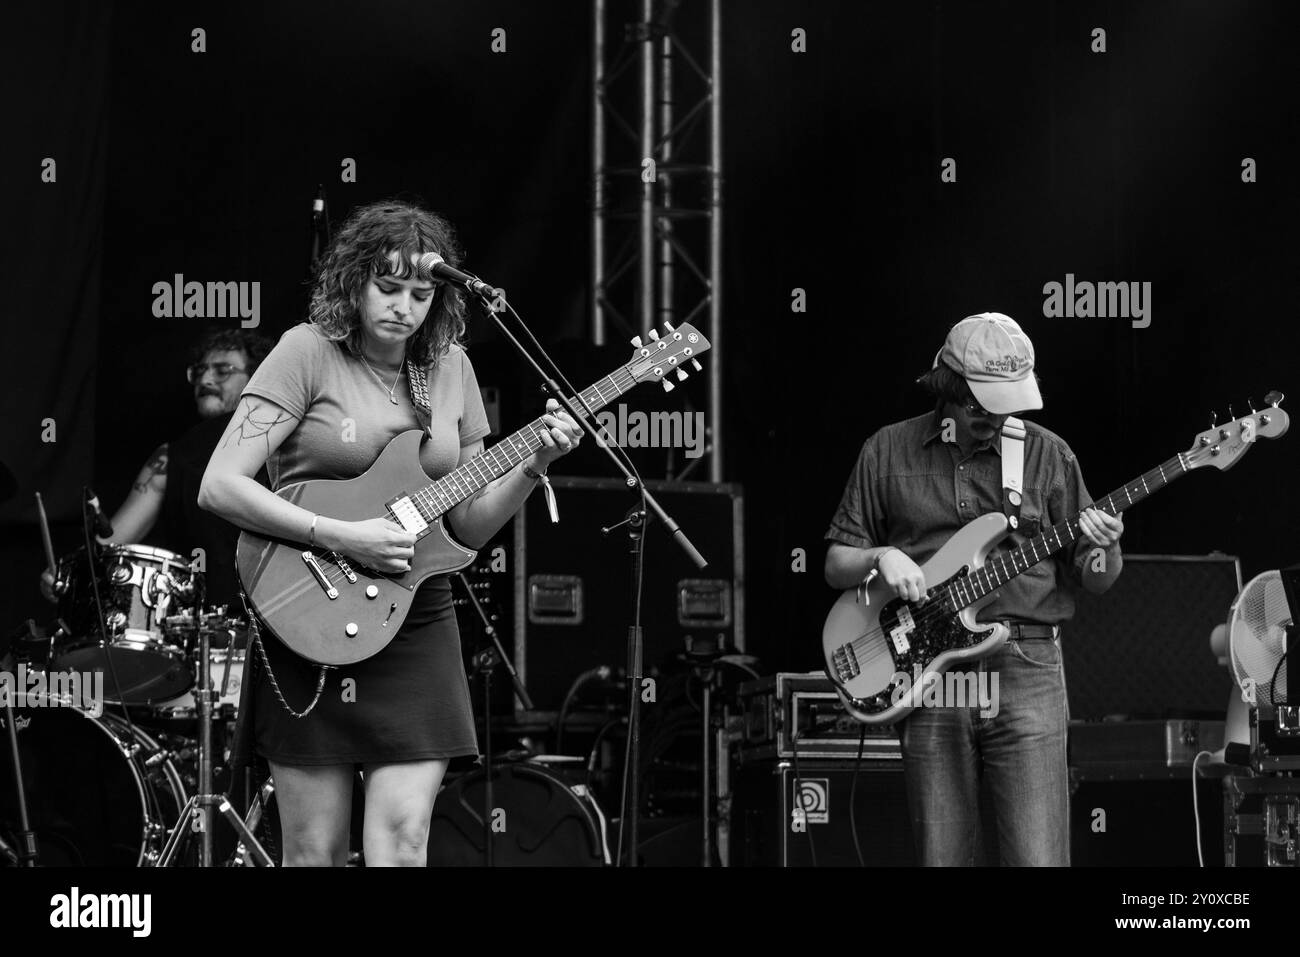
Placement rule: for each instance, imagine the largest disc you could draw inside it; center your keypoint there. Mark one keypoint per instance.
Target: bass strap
(1013, 469)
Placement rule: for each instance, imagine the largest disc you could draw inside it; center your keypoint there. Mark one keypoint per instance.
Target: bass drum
(541, 819)
(90, 798)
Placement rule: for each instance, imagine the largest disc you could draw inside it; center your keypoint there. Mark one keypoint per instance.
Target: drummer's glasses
(221, 371)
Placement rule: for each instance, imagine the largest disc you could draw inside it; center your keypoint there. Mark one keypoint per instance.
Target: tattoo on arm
(256, 425)
(153, 477)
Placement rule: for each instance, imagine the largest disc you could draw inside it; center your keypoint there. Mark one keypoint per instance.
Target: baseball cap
(995, 357)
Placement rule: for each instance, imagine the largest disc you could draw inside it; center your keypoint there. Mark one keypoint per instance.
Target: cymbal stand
(197, 817)
(29, 852)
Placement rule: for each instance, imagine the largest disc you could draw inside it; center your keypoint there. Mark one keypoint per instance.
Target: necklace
(389, 389)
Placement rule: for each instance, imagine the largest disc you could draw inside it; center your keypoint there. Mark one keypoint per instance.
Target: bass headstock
(1222, 444)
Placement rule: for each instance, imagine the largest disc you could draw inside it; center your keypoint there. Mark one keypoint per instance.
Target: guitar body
(295, 603)
(868, 644)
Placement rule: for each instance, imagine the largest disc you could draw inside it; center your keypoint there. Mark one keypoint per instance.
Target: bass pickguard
(917, 634)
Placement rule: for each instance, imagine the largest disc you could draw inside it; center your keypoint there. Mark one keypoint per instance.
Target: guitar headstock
(663, 358)
(1221, 445)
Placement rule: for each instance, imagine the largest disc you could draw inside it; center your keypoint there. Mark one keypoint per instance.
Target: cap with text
(995, 357)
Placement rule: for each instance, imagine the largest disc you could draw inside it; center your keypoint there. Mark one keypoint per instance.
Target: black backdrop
(1122, 166)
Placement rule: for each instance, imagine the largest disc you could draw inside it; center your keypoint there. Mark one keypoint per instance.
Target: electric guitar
(333, 611)
(882, 651)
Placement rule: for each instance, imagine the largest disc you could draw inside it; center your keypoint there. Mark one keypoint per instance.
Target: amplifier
(572, 594)
(785, 712)
(1140, 750)
(1142, 649)
(766, 832)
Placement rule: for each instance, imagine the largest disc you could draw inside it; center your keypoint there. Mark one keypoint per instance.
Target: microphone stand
(634, 482)
(484, 663)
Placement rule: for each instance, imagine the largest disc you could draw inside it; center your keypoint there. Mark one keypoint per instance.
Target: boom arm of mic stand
(581, 418)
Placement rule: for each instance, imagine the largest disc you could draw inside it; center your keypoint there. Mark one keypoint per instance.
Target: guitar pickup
(899, 634)
(407, 515)
(310, 561)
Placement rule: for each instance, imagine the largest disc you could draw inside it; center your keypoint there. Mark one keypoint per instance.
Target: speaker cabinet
(1142, 649)
(764, 832)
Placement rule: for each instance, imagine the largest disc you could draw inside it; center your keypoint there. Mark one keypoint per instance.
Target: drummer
(161, 508)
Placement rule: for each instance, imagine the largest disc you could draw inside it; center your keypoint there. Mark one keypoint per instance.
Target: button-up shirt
(912, 490)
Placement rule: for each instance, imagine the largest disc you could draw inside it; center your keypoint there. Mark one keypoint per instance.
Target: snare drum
(227, 676)
(139, 587)
(91, 798)
(224, 629)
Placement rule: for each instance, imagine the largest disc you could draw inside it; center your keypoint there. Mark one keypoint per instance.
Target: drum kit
(116, 778)
(106, 781)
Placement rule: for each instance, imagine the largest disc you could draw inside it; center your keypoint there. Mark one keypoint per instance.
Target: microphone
(103, 527)
(435, 265)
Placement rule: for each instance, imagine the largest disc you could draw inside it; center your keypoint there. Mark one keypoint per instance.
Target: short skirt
(409, 702)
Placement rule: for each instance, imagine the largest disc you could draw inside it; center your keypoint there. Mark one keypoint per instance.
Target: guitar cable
(853, 790)
(798, 800)
(266, 663)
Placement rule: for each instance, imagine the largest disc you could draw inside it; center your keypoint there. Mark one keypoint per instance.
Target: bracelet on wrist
(533, 473)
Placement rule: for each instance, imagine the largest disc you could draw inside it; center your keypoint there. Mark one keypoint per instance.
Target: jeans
(1020, 750)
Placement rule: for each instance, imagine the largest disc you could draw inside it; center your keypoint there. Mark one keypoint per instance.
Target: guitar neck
(1000, 569)
(453, 488)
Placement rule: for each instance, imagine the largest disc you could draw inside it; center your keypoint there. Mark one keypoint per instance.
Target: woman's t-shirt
(345, 416)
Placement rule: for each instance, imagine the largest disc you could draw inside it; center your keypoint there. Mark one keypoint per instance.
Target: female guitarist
(323, 405)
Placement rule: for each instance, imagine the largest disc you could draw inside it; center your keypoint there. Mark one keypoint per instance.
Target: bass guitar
(882, 652)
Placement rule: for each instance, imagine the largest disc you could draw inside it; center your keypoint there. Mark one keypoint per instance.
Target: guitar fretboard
(440, 496)
(1001, 568)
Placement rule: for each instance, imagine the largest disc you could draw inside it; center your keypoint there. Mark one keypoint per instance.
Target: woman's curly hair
(360, 252)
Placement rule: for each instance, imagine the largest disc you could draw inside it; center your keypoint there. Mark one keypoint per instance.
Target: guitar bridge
(314, 566)
(845, 661)
(344, 567)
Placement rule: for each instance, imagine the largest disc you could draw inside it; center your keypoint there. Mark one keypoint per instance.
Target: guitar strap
(417, 377)
(1013, 468)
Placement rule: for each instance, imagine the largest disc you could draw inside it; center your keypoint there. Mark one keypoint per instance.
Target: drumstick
(45, 533)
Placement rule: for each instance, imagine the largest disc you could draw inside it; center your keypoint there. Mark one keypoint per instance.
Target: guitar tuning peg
(1274, 398)
(668, 385)
(1213, 419)
(695, 364)
(1251, 402)
(636, 341)
(668, 326)
(653, 334)
(682, 375)
(1231, 415)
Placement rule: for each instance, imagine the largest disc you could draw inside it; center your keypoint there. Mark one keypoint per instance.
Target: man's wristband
(534, 475)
